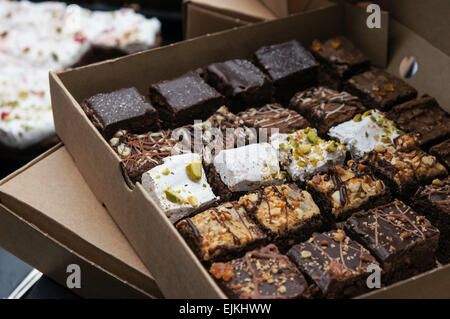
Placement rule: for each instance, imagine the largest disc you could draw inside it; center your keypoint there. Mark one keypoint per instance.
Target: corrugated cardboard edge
(146, 217)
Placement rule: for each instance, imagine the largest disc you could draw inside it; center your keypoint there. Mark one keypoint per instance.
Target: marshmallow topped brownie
(303, 153)
(221, 232)
(365, 131)
(244, 169)
(179, 186)
(344, 190)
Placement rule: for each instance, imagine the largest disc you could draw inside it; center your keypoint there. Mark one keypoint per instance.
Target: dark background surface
(12, 269)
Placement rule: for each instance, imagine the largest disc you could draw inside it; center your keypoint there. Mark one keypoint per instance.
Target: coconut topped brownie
(424, 116)
(326, 108)
(303, 154)
(141, 152)
(365, 131)
(260, 274)
(241, 82)
(274, 117)
(339, 59)
(336, 263)
(403, 166)
(179, 186)
(379, 89)
(402, 241)
(243, 169)
(285, 212)
(123, 109)
(433, 201)
(184, 99)
(289, 65)
(344, 190)
(221, 232)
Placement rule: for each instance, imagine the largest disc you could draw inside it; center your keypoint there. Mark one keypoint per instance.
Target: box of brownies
(275, 160)
(66, 224)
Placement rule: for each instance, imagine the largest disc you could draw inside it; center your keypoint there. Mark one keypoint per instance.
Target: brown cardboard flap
(52, 195)
(282, 8)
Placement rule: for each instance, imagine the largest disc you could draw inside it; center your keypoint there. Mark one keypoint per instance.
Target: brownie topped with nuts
(326, 108)
(290, 66)
(124, 109)
(241, 82)
(433, 201)
(184, 99)
(402, 241)
(260, 274)
(379, 89)
(424, 116)
(287, 213)
(336, 263)
(221, 232)
(403, 166)
(340, 59)
(273, 118)
(344, 190)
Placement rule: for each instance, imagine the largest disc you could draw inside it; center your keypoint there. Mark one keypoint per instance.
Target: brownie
(442, 152)
(345, 190)
(424, 116)
(335, 263)
(184, 99)
(124, 109)
(142, 152)
(403, 166)
(290, 66)
(285, 212)
(339, 60)
(379, 89)
(260, 274)
(272, 117)
(433, 201)
(326, 108)
(241, 82)
(221, 233)
(403, 242)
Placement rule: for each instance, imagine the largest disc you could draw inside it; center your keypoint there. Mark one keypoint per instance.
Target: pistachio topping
(194, 170)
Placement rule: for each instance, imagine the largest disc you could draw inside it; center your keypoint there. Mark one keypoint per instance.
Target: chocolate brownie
(403, 242)
(142, 152)
(379, 89)
(433, 201)
(241, 82)
(184, 99)
(442, 152)
(285, 212)
(339, 60)
(345, 190)
(337, 264)
(403, 166)
(124, 109)
(291, 67)
(273, 117)
(260, 274)
(221, 233)
(424, 116)
(326, 108)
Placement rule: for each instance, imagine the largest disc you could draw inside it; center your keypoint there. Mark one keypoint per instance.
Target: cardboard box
(283, 8)
(50, 219)
(177, 270)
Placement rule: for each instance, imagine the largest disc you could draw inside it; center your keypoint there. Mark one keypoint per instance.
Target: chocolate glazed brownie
(442, 152)
(261, 274)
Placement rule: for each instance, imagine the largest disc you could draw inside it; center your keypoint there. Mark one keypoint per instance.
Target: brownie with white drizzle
(287, 213)
(404, 242)
(335, 263)
(221, 233)
(274, 116)
(261, 274)
(326, 108)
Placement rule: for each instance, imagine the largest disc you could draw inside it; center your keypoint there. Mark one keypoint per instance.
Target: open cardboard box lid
(50, 218)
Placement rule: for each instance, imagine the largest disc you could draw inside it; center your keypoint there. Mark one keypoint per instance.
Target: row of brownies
(303, 181)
